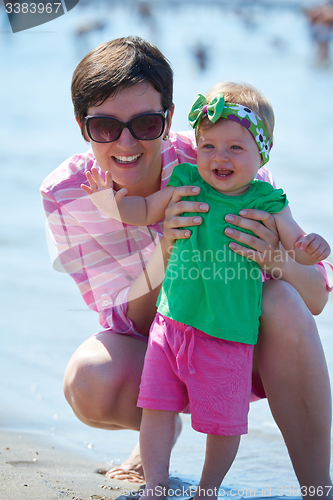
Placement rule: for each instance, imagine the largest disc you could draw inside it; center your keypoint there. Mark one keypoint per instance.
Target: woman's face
(133, 164)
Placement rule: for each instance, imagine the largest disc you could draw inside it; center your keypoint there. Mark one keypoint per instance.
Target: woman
(128, 83)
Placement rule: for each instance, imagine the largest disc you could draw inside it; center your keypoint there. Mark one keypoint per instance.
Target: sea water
(44, 318)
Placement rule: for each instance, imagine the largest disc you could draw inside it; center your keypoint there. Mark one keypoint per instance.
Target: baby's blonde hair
(246, 95)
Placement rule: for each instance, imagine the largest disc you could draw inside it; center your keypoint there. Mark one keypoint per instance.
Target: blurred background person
(321, 24)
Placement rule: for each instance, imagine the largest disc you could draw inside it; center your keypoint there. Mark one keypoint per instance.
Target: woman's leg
(101, 384)
(220, 454)
(292, 366)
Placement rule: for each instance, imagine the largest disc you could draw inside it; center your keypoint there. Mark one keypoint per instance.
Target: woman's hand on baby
(101, 192)
(264, 245)
(314, 245)
(173, 222)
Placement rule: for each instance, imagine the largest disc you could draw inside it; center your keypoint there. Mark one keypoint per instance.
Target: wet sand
(34, 467)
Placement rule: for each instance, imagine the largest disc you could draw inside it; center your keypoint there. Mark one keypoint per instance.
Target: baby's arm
(134, 210)
(306, 249)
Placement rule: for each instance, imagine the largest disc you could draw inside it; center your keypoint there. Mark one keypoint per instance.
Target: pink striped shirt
(102, 255)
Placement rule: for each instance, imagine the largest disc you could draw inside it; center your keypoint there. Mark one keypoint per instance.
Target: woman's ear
(169, 121)
(83, 129)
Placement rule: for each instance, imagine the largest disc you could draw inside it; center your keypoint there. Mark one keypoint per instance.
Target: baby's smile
(222, 173)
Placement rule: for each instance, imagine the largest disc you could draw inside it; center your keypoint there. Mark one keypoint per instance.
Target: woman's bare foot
(131, 470)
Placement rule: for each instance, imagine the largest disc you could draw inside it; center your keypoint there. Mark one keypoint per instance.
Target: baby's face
(228, 157)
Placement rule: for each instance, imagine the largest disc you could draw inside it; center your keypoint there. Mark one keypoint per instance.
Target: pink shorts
(185, 366)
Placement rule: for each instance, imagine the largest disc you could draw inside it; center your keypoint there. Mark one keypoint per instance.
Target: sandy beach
(34, 467)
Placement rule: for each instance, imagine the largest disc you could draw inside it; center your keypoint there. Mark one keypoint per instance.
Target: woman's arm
(266, 251)
(144, 291)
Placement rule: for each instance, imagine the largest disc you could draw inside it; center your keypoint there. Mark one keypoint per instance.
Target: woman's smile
(127, 160)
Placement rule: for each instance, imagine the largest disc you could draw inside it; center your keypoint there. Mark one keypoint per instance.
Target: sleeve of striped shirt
(103, 262)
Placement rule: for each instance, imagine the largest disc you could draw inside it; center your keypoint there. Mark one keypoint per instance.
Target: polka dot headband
(218, 108)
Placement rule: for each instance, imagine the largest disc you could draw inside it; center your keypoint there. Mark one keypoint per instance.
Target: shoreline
(37, 467)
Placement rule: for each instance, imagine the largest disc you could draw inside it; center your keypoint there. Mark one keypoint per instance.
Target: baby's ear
(262, 161)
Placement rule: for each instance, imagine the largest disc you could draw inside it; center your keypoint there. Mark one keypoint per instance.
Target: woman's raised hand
(101, 192)
(173, 220)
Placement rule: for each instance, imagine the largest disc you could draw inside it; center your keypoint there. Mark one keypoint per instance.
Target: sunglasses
(145, 127)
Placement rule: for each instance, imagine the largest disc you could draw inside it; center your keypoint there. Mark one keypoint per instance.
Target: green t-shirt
(206, 285)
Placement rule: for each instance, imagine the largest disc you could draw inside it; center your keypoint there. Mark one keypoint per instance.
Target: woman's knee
(281, 300)
(98, 378)
(87, 388)
(285, 317)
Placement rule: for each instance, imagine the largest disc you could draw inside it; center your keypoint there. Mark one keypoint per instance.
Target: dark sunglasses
(146, 127)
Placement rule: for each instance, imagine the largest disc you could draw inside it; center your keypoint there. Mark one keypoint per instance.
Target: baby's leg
(220, 454)
(156, 439)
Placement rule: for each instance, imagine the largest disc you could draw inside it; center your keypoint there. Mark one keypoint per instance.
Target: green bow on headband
(201, 107)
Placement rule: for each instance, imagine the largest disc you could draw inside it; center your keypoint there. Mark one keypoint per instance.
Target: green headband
(218, 108)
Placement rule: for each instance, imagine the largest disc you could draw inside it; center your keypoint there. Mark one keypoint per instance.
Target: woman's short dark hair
(117, 65)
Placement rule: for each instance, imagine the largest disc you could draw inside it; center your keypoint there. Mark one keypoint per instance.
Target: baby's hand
(314, 245)
(101, 193)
